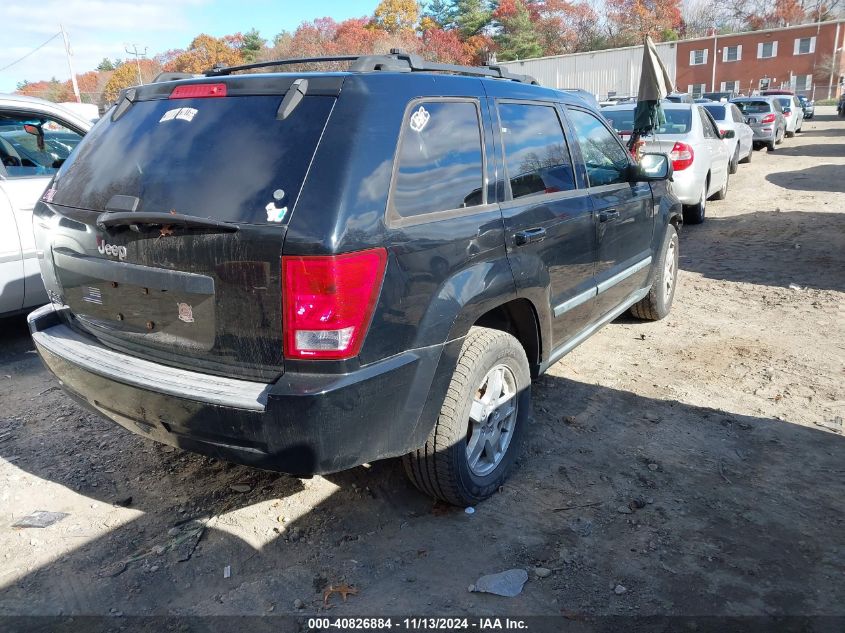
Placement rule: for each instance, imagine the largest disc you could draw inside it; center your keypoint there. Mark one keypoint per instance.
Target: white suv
(36, 137)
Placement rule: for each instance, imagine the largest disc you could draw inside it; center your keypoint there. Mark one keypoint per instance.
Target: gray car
(765, 116)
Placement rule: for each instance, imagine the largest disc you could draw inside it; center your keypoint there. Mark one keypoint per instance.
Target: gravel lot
(724, 422)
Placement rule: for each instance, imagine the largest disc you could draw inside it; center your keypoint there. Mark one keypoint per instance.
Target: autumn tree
(395, 16)
(629, 21)
(516, 37)
(445, 46)
(564, 27)
(205, 52)
(127, 75)
(52, 90)
(766, 14)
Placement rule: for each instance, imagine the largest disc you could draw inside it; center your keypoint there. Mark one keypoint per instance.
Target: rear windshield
(717, 111)
(229, 159)
(753, 107)
(785, 102)
(677, 121)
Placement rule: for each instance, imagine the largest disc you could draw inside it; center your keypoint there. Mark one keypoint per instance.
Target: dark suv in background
(305, 272)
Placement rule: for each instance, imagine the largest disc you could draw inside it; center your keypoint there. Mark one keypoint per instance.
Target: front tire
(658, 302)
(474, 443)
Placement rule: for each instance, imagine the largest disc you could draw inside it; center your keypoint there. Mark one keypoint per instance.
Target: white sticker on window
(274, 213)
(419, 119)
(184, 114)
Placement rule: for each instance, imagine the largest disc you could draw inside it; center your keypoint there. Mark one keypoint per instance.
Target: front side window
(34, 145)
(440, 165)
(604, 157)
(536, 154)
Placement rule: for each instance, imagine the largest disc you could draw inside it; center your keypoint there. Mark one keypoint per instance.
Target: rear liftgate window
(440, 164)
(230, 159)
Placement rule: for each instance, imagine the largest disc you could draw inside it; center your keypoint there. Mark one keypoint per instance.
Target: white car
(728, 117)
(793, 113)
(36, 137)
(694, 144)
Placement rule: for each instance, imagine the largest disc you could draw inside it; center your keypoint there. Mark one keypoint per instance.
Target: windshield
(229, 159)
(753, 107)
(785, 102)
(677, 121)
(717, 111)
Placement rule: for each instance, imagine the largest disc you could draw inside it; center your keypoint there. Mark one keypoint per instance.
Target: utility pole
(134, 52)
(70, 65)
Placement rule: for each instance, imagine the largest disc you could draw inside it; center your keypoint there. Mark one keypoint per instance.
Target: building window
(803, 83)
(696, 90)
(767, 50)
(732, 53)
(730, 86)
(698, 58)
(804, 46)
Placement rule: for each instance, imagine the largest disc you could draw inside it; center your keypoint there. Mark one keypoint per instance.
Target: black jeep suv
(305, 272)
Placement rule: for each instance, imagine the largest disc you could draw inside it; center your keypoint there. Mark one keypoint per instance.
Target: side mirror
(728, 134)
(36, 131)
(654, 167)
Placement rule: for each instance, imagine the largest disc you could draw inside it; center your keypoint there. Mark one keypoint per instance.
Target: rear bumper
(687, 186)
(304, 424)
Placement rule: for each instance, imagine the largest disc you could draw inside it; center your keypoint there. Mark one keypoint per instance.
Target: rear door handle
(530, 235)
(607, 216)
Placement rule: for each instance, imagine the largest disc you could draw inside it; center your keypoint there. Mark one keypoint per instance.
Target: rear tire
(747, 159)
(694, 213)
(770, 146)
(733, 166)
(453, 466)
(657, 303)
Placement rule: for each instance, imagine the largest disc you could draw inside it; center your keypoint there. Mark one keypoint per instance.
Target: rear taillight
(197, 91)
(329, 301)
(787, 113)
(681, 155)
(722, 133)
(769, 118)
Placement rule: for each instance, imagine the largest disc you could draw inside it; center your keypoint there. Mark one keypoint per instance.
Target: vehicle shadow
(16, 347)
(770, 248)
(818, 178)
(820, 150)
(612, 487)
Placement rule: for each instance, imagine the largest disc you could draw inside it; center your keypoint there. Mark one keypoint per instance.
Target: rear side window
(707, 126)
(230, 158)
(536, 154)
(737, 115)
(604, 157)
(440, 165)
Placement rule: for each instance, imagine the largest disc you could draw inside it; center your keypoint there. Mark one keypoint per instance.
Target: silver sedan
(693, 142)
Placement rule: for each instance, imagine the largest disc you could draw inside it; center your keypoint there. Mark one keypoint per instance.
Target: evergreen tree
(517, 37)
(253, 43)
(440, 11)
(105, 65)
(472, 16)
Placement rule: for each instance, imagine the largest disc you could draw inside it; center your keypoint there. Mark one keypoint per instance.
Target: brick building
(792, 57)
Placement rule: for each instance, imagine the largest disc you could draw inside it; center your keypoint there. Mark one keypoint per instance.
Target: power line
(31, 52)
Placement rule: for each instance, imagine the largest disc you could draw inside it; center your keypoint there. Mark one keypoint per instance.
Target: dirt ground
(724, 422)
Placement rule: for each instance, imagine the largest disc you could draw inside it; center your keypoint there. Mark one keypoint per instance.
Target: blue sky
(102, 28)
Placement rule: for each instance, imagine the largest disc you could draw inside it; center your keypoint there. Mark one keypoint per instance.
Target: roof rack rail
(397, 61)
